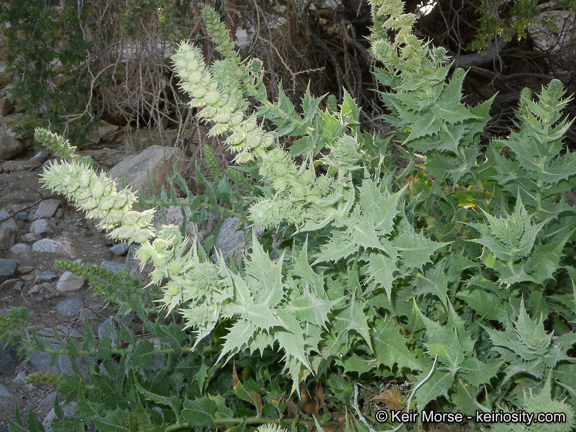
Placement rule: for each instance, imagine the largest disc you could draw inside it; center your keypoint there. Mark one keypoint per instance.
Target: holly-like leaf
(381, 269)
(486, 304)
(434, 281)
(415, 250)
(545, 260)
(510, 238)
(200, 412)
(390, 347)
(437, 385)
(379, 206)
(340, 246)
(477, 373)
(264, 277)
(143, 355)
(526, 338)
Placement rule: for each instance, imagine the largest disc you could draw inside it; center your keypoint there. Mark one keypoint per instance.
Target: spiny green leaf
(415, 249)
(379, 206)
(143, 355)
(265, 277)
(112, 421)
(438, 385)
(526, 338)
(200, 413)
(510, 238)
(171, 401)
(390, 347)
(237, 337)
(434, 282)
(486, 304)
(545, 260)
(339, 246)
(381, 269)
(477, 373)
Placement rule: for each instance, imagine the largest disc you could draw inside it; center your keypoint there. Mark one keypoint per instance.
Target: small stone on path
(69, 282)
(48, 208)
(70, 307)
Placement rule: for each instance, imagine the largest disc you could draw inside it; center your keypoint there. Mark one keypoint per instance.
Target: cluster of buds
(96, 194)
(199, 283)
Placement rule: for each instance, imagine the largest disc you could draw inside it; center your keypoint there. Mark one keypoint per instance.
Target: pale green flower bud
(55, 143)
(212, 97)
(270, 213)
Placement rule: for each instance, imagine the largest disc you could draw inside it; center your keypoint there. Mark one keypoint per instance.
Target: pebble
(25, 269)
(5, 394)
(69, 282)
(109, 329)
(70, 307)
(8, 230)
(8, 268)
(62, 246)
(20, 248)
(113, 266)
(8, 358)
(45, 277)
(48, 208)
(11, 284)
(21, 216)
(42, 227)
(120, 249)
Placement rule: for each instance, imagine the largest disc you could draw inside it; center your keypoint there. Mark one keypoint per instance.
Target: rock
(62, 246)
(41, 360)
(10, 284)
(109, 329)
(20, 248)
(107, 132)
(8, 269)
(69, 410)
(25, 269)
(8, 358)
(113, 266)
(69, 282)
(8, 231)
(48, 402)
(5, 77)
(143, 138)
(34, 290)
(13, 166)
(10, 147)
(48, 208)
(120, 249)
(29, 237)
(21, 216)
(6, 107)
(45, 277)
(42, 227)
(70, 307)
(231, 241)
(5, 394)
(160, 161)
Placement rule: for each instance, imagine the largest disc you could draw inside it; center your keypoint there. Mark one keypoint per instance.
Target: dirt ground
(22, 191)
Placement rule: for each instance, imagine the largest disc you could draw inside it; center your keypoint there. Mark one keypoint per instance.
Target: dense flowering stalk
(55, 143)
(97, 194)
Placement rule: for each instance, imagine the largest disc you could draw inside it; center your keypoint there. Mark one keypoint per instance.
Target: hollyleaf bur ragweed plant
(450, 269)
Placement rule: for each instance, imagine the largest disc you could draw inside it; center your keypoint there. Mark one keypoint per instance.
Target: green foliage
(49, 378)
(515, 22)
(36, 29)
(376, 268)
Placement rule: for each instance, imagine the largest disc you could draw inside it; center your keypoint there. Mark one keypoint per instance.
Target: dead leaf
(390, 397)
(308, 404)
